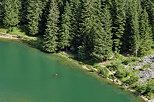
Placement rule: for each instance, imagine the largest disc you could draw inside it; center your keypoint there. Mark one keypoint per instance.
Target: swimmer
(56, 75)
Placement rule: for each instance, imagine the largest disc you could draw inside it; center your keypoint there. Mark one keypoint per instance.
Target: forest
(88, 28)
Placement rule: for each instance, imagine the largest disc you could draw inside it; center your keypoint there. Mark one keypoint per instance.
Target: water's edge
(75, 64)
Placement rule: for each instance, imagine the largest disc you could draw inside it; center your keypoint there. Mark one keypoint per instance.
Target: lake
(28, 75)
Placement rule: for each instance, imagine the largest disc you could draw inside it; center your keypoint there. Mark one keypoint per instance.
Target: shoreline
(101, 77)
(83, 67)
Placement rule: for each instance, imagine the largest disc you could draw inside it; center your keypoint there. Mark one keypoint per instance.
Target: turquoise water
(28, 75)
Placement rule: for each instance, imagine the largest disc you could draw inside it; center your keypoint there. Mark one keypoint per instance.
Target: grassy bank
(115, 71)
(20, 34)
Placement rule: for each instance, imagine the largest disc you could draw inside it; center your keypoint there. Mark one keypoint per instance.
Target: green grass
(18, 31)
(148, 65)
(3, 30)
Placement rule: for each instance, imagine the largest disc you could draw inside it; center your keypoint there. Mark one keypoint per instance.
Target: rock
(146, 73)
(152, 100)
(136, 67)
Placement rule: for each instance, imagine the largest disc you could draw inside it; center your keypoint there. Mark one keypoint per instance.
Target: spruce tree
(43, 16)
(23, 12)
(87, 26)
(51, 31)
(103, 39)
(65, 31)
(76, 9)
(145, 34)
(1, 13)
(95, 37)
(131, 37)
(34, 10)
(11, 12)
(149, 6)
(119, 19)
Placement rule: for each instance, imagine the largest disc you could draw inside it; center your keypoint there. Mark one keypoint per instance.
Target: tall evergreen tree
(150, 10)
(11, 12)
(145, 34)
(23, 12)
(43, 17)
(119, 19)
(95, 37)
(87, 26)
(103, 41)
(51, 31)
(131, 37)
(34, 10)
(65, 31)
(76, 6)
(1, 13)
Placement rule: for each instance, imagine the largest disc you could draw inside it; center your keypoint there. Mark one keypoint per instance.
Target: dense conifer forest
(88, 28)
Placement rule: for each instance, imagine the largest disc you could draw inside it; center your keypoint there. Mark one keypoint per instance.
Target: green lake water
(28, 75)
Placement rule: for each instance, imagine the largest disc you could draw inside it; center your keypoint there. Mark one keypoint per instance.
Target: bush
(121, 72)
(131, 78)
(91, 68)
(141, 88)
(119, 57)
(146, 66)
(103, 70)
(129, 60)
(150, 86)
(114, 65)
(150, 95)
(81, 53)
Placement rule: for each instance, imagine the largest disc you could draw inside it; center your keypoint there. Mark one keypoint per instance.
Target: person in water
(56, 75)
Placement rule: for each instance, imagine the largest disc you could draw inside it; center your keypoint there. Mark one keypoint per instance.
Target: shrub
(150, 95)
(121, 72)
(119, 57)
(129, 60)
(141, 88)
(103, 70)
(146, 66)
(150, 86)
(81, 53)
(114, 65)
(131, 78)
(91, 68)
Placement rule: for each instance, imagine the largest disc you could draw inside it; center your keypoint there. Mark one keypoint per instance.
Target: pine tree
(1, 13)
(119, 19)
(103, 41)
(131, 37)
(66, 31)
(87, 26)
(150, 10)
(23, 12)
(11, 12)
(34, 10)
(51, 31)
(43, 16)
(76, 8)
(96, 38)
(145, 34)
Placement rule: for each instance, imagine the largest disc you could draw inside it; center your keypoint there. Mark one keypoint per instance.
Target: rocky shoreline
(146, 73)
(9, 36)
